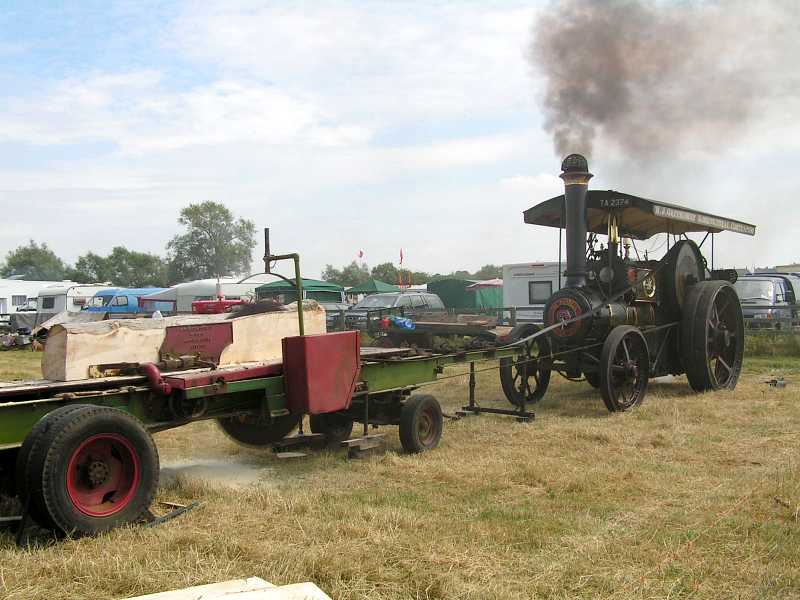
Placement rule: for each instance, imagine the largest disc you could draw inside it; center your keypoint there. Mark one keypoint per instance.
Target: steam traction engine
(619, 321)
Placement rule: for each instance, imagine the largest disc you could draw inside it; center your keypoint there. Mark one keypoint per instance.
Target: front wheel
(624, 368)
(421, 423)
(525, 377)
(98, 470)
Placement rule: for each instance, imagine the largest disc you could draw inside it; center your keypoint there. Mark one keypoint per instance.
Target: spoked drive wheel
(421, 423)
(525, 378)
(712, 336)
(254, 432)
(93, 469)
(624, 368)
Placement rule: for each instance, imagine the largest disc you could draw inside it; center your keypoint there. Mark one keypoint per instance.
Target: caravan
(528, 287)
(69, 297)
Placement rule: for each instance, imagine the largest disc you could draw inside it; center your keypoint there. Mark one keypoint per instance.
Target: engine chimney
(576, 176)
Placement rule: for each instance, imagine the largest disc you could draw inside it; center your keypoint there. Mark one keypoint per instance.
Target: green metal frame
(265, 397)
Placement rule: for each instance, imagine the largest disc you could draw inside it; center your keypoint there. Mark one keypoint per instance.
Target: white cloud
(375, 59)
(137, 114)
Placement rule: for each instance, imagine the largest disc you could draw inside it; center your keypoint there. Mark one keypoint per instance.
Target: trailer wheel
(336, 427)
(526, 378)
(712, 336)
(624, 368)
(421, 423)
(30, 458)
(253, 432)
(100, 470)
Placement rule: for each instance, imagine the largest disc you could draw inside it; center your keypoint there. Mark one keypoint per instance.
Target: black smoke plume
(657, 78)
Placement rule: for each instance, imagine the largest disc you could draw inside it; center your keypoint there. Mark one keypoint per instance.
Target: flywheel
(681, 268)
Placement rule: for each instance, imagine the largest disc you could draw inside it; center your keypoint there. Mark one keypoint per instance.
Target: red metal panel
(207, 341)
(321, 371)
(185, 381)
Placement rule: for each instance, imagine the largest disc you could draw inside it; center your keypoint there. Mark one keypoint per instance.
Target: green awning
(373, 286)
(309, 285)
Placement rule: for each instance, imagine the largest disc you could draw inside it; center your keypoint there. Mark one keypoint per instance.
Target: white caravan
(528, 287)
(70, 297)
(183, 294)
(18, 294)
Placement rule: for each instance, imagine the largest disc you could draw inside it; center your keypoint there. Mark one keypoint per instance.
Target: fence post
(513, 316)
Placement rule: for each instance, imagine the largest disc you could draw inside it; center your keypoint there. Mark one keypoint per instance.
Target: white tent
(183, 294)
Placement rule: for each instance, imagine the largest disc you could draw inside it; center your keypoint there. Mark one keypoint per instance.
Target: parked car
(126, 301)
(408, 303)
(765, 301)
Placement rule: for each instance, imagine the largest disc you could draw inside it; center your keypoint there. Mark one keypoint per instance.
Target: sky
(343, 126)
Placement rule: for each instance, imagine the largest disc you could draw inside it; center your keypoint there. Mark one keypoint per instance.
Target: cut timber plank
(72, 349)
(252, 588)
(212, 590)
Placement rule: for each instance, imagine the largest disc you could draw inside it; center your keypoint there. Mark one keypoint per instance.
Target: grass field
(686, 497)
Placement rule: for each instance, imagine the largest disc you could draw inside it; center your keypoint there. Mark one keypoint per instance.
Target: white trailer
(528, 287)
(183, 294)
(18, 294)
(69, 297)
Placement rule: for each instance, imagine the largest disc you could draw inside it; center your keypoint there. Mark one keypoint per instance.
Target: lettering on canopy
(704, 220)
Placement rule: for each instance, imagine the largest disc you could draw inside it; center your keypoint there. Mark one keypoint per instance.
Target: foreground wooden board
(252, 588)
(73, 349)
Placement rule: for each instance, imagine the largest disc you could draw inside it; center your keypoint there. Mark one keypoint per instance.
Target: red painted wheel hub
(103, 475)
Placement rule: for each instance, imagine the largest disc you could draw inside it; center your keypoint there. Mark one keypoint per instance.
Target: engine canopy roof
(639, 218)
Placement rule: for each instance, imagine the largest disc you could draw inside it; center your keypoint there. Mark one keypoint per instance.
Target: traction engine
(620, 320)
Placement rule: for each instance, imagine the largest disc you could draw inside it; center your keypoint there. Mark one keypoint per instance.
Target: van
(126, 301)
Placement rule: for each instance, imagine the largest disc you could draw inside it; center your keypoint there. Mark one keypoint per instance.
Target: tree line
(213, 244)
(357, 273)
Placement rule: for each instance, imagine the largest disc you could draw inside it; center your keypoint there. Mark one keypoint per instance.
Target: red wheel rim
(103, 475)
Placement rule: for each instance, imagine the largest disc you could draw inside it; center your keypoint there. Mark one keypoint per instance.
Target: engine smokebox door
(321, 371)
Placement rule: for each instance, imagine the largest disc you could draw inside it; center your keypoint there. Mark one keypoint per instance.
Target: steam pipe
(576, 176)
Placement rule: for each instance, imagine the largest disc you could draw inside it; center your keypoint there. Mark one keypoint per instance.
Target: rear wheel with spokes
(712, 336)
(624, 368)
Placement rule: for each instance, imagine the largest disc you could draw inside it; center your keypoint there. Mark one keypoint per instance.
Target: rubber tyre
(252, 433)
(593, 379)
(336, 427)
(421, 423)
(64, 440)
(607, 355)
(31, 458)
(694, 339)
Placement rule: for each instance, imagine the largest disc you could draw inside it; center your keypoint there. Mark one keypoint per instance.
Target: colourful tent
(488, 294)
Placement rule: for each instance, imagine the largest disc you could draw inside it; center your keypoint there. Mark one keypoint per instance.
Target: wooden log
(73, 349)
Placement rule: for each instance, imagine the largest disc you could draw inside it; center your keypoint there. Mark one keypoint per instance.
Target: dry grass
(676, 499)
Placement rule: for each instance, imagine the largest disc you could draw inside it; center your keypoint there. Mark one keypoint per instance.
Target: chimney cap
(575, 163)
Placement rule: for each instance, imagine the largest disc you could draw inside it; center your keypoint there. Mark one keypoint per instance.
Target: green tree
(488, 272)
(385, 272)
(34, 262)
(348, 276)
(123, 267)
(215, 243)
(90, 268)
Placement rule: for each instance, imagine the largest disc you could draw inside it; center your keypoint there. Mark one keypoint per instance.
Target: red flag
(401, 256)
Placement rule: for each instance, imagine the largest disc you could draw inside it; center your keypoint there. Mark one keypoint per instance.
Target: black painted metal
(575, 173)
